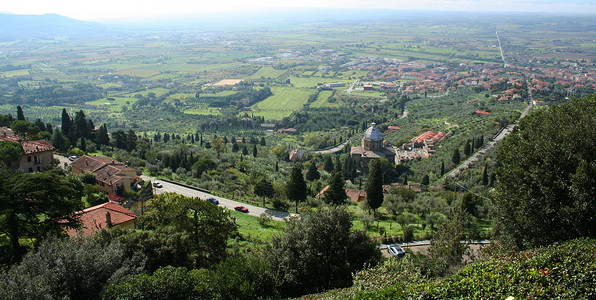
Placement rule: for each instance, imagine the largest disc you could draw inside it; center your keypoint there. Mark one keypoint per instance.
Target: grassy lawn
(250, 227)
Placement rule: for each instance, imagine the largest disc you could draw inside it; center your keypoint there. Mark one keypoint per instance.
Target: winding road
(189, 192)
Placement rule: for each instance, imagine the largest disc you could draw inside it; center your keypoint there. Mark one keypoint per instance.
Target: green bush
(566, 271)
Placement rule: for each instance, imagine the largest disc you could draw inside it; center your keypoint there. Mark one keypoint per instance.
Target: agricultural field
(284, 101)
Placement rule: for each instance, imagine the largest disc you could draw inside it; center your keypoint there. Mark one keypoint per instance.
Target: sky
(110, 9)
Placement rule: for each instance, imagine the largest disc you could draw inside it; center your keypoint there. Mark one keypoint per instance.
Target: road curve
(223, 202)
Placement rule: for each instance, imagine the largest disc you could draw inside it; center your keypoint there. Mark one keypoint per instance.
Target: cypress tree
(101, 136)
(442, 168)
(328, 165)
(20, 114)
(254, 151)
(66, 122)
(296, 186)
(83, 145)
(467, 148)
(335, 194)
(374, 186)
(312, 173)
(455, 159)
(485, 175)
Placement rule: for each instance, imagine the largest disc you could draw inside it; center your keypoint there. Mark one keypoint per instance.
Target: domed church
(373, 146)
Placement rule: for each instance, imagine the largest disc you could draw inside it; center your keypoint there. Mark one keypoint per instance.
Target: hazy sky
(89, 10)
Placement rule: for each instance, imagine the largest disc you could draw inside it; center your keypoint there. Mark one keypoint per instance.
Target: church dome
(373, 133)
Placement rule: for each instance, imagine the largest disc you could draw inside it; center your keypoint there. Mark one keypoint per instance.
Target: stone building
(373, 146)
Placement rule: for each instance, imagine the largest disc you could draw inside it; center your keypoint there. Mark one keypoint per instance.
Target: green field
(266, 72)
(113, 105)
(284, 101)
(323, 100)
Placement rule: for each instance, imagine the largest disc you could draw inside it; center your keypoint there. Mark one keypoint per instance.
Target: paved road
(223, 202)
(502, 134)
(351, 88)
(332, 150)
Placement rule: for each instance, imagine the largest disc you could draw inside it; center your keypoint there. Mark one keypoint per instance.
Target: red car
(241, 209)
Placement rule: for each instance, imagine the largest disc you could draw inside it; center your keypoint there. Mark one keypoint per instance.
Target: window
(28, 158)
(38, 169)
(30, 170)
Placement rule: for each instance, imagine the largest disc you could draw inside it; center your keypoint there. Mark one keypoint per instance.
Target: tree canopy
(33, 205)
(320, 251)
(547, 183)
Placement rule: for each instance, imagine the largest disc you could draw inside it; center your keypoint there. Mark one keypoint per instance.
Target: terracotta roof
(429, 135)
(30, 147)
(115, 198)
(355, 195)
(110, 174)
(106, 169)
(93, 219)
(88, 163)
(11, 138)
(481, 112)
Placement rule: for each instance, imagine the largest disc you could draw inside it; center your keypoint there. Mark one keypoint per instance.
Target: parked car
(157, 184)
(241, 209)
(72, 158)
(213, 200)
(396, 250)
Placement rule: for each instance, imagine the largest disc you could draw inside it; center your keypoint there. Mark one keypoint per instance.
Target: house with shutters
(37, 155)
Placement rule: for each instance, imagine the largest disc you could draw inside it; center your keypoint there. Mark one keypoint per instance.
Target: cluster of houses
(38, 156)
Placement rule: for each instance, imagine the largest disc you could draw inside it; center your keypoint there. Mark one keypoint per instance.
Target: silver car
(396, 250)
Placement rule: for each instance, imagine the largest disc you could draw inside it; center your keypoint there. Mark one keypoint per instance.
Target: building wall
(36, 162)
(127, 225)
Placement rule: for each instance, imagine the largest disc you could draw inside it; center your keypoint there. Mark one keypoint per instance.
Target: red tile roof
(482, 113)
(429, 135)
(30, 147)
(93, 219)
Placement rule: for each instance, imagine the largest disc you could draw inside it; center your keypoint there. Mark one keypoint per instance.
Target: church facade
(373, 147)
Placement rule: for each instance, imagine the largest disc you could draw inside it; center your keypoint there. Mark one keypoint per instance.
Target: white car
(157, 184)
(396, 250)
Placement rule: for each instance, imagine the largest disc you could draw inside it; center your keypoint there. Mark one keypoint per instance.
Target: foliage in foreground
(566, 271)
(547, 184)
(320, 252)
(68, 269)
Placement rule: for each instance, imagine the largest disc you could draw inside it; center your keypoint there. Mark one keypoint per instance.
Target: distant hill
(48, 26)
